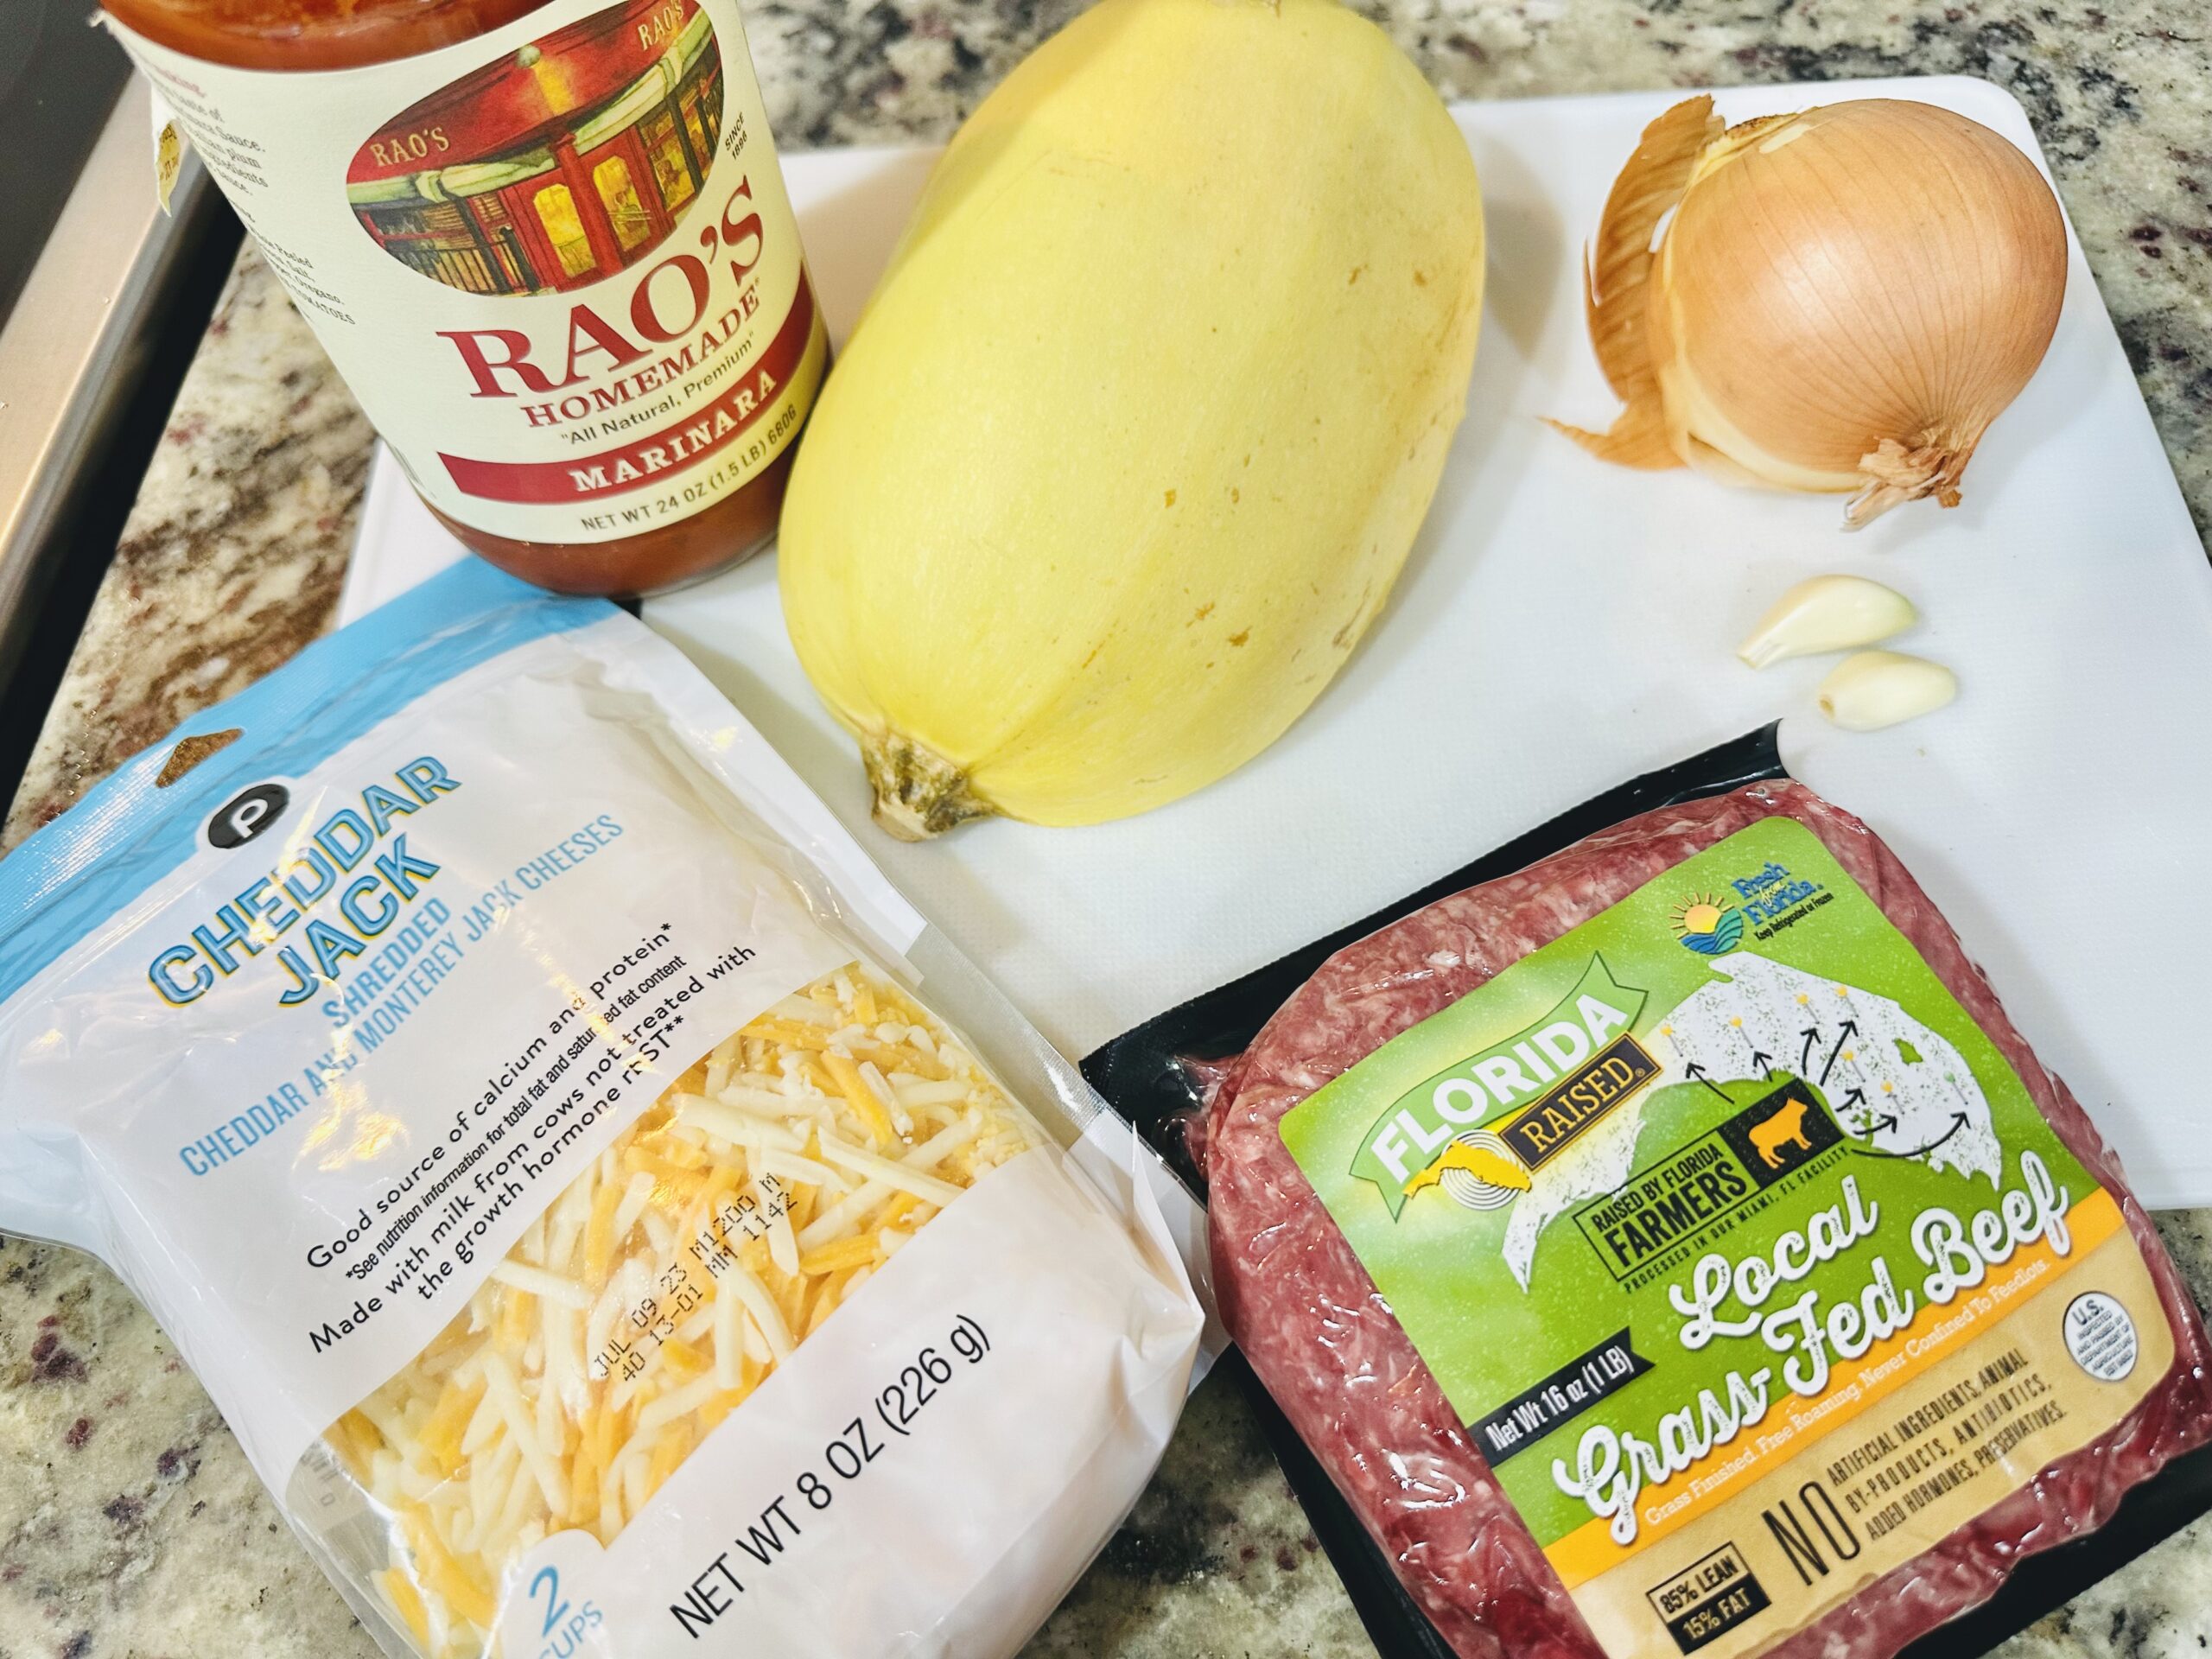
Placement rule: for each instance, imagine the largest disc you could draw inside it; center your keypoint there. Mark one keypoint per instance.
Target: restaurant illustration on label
(553, 167)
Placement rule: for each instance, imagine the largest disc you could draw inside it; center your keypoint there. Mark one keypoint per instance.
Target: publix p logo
(246, 814)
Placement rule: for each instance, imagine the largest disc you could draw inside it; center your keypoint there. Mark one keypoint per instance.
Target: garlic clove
(1831, 613)
(1874, 689)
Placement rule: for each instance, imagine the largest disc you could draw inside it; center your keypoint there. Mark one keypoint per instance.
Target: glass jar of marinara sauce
(546, 243)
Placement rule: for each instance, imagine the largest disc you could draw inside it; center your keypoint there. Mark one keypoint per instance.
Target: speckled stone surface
(129, 1522)
(232, 558)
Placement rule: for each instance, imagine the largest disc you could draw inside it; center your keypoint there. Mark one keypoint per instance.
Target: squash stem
(918, 793)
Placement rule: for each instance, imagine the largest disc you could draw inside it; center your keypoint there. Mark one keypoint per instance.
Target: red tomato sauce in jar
(560, 272)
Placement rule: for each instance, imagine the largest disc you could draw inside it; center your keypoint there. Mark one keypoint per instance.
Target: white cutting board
(1562, 626)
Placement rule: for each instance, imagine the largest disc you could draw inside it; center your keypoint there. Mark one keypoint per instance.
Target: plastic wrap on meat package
(1673, 1248)
(566, 1162)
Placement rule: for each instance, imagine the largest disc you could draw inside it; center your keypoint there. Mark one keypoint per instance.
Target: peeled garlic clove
(1826, 614)
(1874, 689)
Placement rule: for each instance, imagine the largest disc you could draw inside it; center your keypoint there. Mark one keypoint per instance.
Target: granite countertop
(129, 1524)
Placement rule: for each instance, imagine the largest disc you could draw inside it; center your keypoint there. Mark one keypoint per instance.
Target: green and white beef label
(1670, 1201)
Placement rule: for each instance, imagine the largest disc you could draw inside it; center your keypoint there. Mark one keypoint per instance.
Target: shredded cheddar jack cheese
(713, 1237)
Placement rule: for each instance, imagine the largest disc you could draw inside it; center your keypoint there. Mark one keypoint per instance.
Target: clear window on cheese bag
(698, 1254)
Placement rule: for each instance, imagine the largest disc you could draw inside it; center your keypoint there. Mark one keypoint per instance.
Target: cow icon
(1784, 1127)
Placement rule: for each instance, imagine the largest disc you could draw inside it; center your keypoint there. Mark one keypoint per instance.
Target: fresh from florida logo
(1776, 896)
(1707, 924)
(1479, 1131)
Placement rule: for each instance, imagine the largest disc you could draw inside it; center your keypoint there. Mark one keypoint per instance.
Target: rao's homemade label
(1747, 1259)
(556, 263)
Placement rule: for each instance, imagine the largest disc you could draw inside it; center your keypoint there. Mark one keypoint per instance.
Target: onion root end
(1895, 474)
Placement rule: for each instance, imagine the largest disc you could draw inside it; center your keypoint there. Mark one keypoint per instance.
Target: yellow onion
(1843, 300)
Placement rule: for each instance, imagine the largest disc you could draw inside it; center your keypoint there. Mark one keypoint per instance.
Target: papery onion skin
(1844, 300)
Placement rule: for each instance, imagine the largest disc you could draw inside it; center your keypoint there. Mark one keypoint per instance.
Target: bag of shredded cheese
(539, 1126)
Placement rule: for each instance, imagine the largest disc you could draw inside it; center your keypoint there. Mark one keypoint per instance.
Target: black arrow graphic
(1765, 1061)
(1873, 1125)
(1698, 1071)
(1958, 1122)
(1849, 1028)
(1805, 1060)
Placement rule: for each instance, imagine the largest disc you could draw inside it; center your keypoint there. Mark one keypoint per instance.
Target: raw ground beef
(1320, 1334)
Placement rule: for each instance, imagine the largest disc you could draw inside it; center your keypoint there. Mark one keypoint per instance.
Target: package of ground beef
(1673, 1248)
